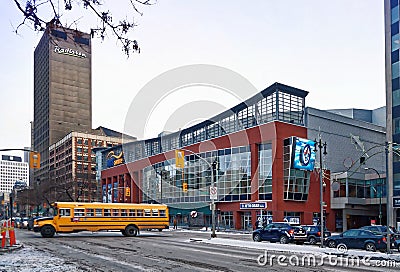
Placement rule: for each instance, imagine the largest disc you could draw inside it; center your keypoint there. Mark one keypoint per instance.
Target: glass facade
(276, 103)
(163, 182)
(265, 171)
(296, 182)
(375, 188)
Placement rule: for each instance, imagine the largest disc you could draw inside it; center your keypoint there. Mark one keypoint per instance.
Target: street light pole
(321, 187)
(380, 192)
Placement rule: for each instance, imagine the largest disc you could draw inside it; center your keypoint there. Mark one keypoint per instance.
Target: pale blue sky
(333, 49)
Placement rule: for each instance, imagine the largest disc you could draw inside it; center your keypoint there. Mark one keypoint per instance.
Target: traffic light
(127, 191)
(179, 158)
(34, 159)
(185, 186)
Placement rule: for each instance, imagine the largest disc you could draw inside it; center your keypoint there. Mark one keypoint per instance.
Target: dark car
(31, 221)
(17, 222)
(314, 233)
(358, 239)
(383, 230)
(24, 223)
(274, 232)
(396, 244)
(299, 235)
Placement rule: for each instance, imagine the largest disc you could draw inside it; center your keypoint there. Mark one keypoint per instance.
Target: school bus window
(99, 212)
(162, 213)
(79, 212)
(147, 212)
(65, 212)
(139, 212)
(154, 212)
(107, 212)
(115, 212)
(89, 212)
(132, 212)
(124, 213)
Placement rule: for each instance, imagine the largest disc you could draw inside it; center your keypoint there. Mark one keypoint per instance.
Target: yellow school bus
(128, 218)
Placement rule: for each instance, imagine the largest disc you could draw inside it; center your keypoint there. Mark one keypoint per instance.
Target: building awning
(184, 209)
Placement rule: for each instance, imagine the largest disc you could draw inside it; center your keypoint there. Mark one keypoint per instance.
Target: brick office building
(253, 147)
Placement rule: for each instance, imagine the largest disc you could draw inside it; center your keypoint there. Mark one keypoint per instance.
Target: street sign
(213, 192)
(396, 202)
(253, 205)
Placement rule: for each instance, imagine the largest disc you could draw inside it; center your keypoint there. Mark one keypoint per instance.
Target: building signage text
(253, 205)
(69, 52)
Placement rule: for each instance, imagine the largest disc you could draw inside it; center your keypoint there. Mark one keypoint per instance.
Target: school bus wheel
(131, 231)
(47, 231)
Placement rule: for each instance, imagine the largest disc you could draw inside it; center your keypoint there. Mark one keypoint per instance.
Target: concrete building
(392, 67)
(72, 164)
(62, 89)
(12, 170)
(356, 159)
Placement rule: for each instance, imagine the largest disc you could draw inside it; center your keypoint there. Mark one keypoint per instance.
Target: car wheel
(131, 231)
(370, 247)
(283, 239)
(257, 238)
(331, 244)
(312, 240)
(47, 231)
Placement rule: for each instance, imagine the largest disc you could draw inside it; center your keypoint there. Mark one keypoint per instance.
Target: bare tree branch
(120, 30)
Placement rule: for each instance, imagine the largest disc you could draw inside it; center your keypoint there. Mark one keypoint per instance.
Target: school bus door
(64, 220)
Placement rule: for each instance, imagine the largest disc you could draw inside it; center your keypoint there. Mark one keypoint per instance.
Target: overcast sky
(332, 49)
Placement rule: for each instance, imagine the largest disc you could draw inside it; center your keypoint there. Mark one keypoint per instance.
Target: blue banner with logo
(303, 154)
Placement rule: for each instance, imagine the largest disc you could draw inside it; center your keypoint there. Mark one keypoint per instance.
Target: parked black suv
(314, 233)
(383, 230)
(274, 232)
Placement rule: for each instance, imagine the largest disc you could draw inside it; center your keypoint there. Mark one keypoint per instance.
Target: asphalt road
(166, 251)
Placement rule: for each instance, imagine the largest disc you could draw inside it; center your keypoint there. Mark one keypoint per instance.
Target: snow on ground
(29, 259)
(293, 248)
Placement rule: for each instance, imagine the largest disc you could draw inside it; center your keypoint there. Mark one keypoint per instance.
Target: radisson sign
(69, 52)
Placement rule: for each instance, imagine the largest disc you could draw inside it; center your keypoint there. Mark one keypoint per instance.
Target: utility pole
(389, 192)
(321, 186)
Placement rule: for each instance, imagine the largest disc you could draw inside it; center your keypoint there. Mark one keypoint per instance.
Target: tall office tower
(62, 89)
(392, 46)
